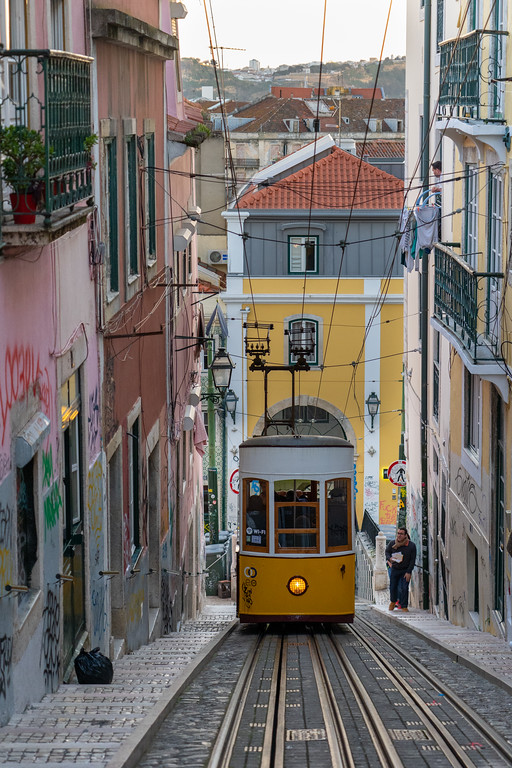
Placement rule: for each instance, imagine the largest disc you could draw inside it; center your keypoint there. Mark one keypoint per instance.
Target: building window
(112, 224)
(471, 412)
(131, 206)
(471, 216)
(134, 489)
(495, 254)
(58, 25)
(440, 22)
(435, 376)
(302, 254)
(303, 332)
(150, 198)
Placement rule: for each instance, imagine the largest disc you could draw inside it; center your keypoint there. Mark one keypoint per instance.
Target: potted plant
(23, 156)
(197, 135)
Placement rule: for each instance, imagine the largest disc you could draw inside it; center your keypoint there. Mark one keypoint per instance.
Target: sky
(290, 31)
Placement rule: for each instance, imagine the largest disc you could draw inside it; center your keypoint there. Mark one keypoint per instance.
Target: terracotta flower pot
(24, 207)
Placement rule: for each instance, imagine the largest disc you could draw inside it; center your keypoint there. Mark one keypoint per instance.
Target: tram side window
(338, 513)
(255, 496)
(296, 511)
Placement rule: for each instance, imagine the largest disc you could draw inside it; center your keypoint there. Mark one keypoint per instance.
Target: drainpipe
(213, 499)
(425, 166)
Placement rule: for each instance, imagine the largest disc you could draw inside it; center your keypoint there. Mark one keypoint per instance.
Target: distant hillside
(358, 74)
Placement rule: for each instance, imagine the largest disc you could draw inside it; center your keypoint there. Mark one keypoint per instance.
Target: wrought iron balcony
(467, 303)
(471, 66)
(45, 102)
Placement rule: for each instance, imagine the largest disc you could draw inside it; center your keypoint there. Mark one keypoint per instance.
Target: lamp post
(220, 368)
(372, 403)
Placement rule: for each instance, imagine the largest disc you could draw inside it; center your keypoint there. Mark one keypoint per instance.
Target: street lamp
(373, 403)
(222, 368)
(230, 401)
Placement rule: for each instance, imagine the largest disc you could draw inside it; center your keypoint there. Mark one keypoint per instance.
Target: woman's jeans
(398, 588)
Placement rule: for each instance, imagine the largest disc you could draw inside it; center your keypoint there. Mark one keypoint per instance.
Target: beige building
(457, 308)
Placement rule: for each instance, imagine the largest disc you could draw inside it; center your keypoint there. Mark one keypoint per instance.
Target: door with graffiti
(73, 556)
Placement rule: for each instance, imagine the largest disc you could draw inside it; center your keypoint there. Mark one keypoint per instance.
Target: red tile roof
(268, 114)
(381, 148)
(334, 185)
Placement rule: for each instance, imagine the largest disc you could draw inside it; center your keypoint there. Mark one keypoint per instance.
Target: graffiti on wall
(93, 419)
(51, 641)
(5, 464)
(371, 496)
(135, 607)
(468, 494)
(99, 614)
(95, 508)
(5, 546)
(5, 664)
(21, 371)
(387, 512)
(52, 499)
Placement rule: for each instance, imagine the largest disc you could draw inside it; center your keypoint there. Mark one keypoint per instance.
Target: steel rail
(224, 743)
(273, 754)
(452, 750)
(498, 742)
(334, 726)
(378, 732)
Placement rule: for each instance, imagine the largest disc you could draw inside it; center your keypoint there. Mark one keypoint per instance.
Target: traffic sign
(233, 481)
(396, 472)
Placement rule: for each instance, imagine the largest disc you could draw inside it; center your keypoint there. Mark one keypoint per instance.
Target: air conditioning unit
(217, 257)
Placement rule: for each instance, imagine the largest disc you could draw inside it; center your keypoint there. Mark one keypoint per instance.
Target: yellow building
(310, 251)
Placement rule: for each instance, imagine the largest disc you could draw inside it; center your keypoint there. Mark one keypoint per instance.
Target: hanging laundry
(427, 218)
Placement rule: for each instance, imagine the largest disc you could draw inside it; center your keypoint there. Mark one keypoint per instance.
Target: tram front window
(338, 517)
(255, 497)
(296, 514)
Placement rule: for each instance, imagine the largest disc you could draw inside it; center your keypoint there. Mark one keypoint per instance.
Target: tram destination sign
(396, 472)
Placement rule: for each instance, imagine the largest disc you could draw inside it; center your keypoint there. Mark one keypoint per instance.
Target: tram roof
(296, 441)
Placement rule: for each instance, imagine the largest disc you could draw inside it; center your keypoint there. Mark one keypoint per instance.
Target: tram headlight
(297, 585)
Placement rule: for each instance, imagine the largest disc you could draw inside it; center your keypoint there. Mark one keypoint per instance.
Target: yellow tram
(296, 558)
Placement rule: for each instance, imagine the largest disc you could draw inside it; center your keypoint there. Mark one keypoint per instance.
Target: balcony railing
(247, 162)
(460, 304)
(469, 65)
(48, 92)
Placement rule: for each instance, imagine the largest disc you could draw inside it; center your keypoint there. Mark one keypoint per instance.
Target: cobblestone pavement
(86, 725)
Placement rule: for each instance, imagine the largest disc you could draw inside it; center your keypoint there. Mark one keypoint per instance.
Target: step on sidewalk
(98, 725)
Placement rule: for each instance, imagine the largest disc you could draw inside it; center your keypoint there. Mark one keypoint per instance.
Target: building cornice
(125, 30)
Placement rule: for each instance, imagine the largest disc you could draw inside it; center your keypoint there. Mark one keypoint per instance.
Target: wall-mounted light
(222, 368)
(372, 403)
(230, 402)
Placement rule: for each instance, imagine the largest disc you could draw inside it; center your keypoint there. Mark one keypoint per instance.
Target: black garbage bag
(92, 667)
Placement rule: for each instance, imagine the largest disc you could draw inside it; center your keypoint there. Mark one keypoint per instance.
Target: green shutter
(131, 170)
(113, 247)
(151, 199)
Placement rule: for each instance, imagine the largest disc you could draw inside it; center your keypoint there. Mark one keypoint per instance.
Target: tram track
(301, 699)
(502, 747)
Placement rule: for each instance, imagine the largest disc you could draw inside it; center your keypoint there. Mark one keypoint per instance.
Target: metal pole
(213, 506)
(425, 166)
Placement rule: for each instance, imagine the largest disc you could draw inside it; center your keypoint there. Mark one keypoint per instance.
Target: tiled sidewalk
(87, 725)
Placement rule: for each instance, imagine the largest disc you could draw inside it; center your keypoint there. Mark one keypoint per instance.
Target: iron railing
(470, 66)
(460, 304)
(246, 162)
(370, 527)
(50, 92)
(365, 565)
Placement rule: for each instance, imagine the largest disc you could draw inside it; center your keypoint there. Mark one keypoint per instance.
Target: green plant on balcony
(89, 142)
(22, 153)
(197, 135)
